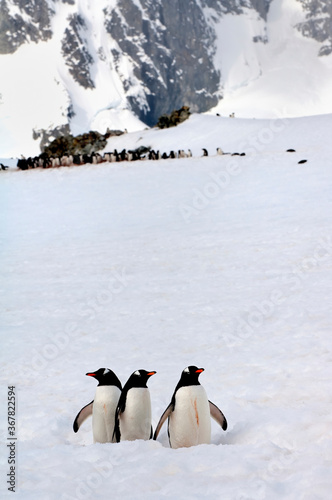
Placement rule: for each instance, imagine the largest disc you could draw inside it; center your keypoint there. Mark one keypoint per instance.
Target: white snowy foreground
(222, 262)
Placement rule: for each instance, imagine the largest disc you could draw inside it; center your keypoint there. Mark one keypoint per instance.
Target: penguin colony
(124, 414)
(140, 154)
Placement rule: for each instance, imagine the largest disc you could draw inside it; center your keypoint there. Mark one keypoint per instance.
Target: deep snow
(223, 262)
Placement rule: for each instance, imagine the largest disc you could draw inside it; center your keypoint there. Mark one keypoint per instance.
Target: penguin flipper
(218, 416)
(116, 438)
(82, 415)
(164, 416)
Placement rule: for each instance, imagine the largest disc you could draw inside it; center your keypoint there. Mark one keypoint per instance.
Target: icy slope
(224, 262)
(278, 76)
(232, 135)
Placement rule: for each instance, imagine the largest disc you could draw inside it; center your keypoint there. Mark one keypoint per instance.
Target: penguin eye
(106, 371)
(186, 370)
(137, 373)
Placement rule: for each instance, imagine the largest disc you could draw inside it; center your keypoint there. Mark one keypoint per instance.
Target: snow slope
(224, 262)
(280, 77)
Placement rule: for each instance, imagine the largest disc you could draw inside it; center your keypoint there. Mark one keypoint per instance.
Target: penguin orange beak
(91, 374)
(151, 373)
(200, 370)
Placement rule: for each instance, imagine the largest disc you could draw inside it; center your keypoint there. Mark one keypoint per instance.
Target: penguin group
(124, 413)
(69, 160)
(140, 154)
(291, 150)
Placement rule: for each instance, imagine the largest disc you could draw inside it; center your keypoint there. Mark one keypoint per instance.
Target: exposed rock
(318, 24)
(48, 136)
(176, 117)
(31, 25)
(171, 49)
(81, 144)
(75, 53)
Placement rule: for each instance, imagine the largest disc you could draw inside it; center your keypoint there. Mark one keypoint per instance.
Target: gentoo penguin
(103, 407)
(189, 412)
(133, 413)
(205, 152)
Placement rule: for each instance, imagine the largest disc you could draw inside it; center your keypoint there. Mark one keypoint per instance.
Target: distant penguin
(205, 152)
(133, 413)
(220, 151)
(189, 412)
(302, 161)
(123, 155)
(103, 407)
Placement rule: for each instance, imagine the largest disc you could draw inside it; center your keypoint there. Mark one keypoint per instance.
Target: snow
(222, 262)
(30, 107)
(280, 78)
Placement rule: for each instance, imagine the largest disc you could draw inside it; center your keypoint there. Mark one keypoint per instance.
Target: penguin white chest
(135, 421)
(103, 413)
(190, 423)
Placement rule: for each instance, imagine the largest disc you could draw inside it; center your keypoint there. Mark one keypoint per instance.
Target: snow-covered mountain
(80, 64)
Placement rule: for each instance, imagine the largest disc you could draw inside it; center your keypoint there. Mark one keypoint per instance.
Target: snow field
(223, 262)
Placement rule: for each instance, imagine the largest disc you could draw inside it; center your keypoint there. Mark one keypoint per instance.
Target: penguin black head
(189, 376)
(105, 376)
(139, 378)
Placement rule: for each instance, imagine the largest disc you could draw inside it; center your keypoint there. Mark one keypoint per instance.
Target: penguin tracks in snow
(124, 413)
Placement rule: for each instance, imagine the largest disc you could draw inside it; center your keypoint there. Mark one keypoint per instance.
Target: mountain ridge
(124, 63)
